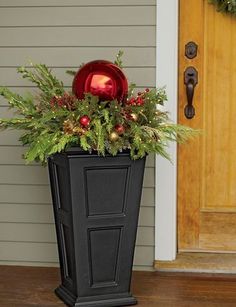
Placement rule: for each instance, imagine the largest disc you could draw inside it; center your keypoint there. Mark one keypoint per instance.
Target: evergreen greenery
(225, 6)
(51, 120)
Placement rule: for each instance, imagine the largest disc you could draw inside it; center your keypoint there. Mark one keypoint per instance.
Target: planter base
(110, 300)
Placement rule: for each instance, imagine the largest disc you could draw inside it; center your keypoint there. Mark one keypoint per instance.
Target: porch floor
(34, 286)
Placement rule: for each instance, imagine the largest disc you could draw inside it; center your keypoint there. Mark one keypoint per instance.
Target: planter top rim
(76, 151)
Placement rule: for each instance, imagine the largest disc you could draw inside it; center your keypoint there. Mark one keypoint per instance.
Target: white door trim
(166, 180)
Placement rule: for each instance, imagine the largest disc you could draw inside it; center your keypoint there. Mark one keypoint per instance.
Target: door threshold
(200, 263)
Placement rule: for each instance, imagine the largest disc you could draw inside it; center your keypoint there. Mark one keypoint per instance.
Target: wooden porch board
(200, 262)
(33, 287)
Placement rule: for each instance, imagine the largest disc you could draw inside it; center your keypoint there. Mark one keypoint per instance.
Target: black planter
(96, 205)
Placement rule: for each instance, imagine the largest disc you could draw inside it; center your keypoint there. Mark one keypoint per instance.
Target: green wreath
(225, 6)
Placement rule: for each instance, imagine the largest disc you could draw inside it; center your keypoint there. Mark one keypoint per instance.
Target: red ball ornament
(84, 121)
(120, 129)
(100, 78)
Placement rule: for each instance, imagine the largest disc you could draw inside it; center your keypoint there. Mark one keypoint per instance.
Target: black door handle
(190, 81)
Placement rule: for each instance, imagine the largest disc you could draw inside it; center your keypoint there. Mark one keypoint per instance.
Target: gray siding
(63, 34)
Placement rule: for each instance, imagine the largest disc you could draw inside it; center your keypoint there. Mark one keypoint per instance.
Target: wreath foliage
(225, 6)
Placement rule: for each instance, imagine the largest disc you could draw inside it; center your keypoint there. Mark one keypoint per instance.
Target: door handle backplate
(190, 81)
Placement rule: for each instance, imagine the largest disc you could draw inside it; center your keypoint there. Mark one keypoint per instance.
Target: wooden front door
(207, 165)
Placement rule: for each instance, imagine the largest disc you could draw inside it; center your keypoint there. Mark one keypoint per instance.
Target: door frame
(167, 26)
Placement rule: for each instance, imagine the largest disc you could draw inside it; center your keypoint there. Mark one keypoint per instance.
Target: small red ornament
(84, 121)
(101, 78)
(120, 129)
(147, 90)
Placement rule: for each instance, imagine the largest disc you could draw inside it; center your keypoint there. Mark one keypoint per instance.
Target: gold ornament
(134, 116)
(114, 136)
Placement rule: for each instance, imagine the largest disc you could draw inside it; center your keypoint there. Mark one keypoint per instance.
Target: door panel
(207, 165)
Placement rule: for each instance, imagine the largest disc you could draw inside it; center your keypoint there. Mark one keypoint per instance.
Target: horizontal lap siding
(119, 36)
(76, 16)
(9, 75)
(55, 57)
(74, 3)
(64, 34)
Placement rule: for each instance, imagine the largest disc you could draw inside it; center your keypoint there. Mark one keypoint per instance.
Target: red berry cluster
(139, 100)
(66, 100)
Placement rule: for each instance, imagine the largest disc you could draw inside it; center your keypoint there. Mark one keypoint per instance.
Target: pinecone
(68, 126)
(66, 100)
(78, 130)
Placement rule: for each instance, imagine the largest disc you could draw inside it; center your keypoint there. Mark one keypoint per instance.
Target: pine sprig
(41, 75)
(118, 61)
(24, 106)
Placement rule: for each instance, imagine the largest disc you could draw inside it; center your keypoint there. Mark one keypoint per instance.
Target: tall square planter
(96, 204)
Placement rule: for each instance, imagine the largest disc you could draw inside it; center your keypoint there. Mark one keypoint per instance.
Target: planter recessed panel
(104, 268)
(106, 190)
(63, 193)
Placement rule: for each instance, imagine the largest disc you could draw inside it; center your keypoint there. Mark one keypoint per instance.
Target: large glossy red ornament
(101, 78)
